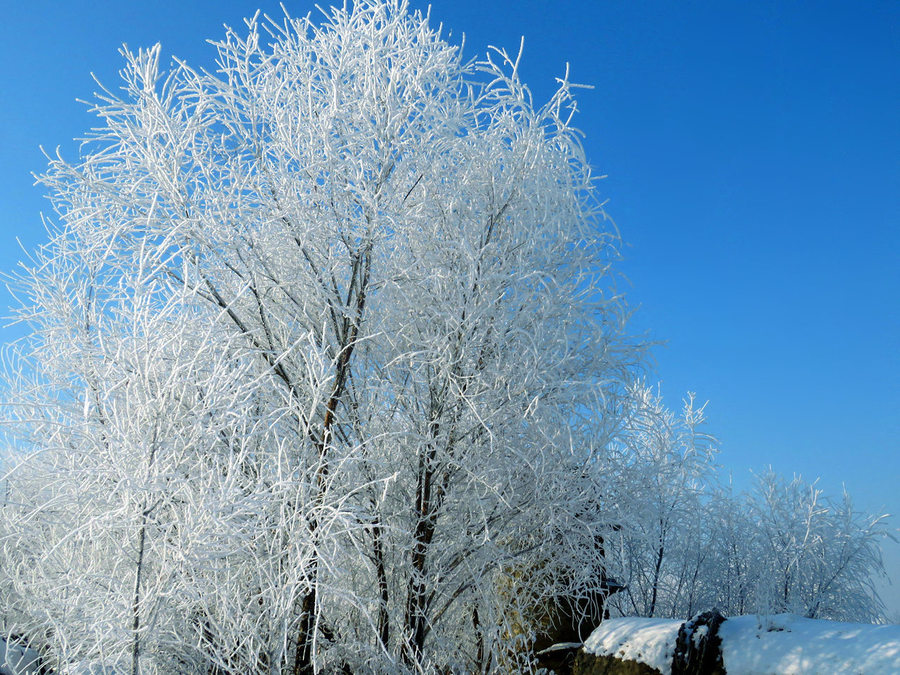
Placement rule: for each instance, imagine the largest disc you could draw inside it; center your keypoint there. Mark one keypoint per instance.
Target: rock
(594, 664)
(629, 646)
(698, 648)
(559, 658)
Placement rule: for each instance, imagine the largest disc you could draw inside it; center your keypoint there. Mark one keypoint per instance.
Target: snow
(785, 644)
(699, 634)
(560, 647)
(18, 660)
(647, 641)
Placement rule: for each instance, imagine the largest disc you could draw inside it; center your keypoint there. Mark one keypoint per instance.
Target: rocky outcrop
(698, 648)
(639, 646)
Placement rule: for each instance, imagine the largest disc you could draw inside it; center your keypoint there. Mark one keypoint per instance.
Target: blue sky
(752, 159)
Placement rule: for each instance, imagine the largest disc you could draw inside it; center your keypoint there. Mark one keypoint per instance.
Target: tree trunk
(417, 592)
(347, 337)
(381, 575)
(136, 601)
(659, 559)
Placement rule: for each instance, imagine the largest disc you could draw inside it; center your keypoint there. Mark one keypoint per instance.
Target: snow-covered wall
(647, 641)
(783, 644)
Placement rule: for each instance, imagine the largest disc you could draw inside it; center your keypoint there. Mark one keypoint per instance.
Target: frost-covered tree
(684, 544)
(323, 345)
(731, 570)
(662, 465)
(814, 556)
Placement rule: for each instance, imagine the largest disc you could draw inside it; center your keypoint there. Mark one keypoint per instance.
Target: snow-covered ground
(786, 644)
(783, 644)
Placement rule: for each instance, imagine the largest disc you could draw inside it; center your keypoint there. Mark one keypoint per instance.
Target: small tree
(816, 557)
(321, 345)
(663, 465)
(685, 545)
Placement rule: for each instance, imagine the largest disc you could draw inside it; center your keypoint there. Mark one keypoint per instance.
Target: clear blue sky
(753, 155)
